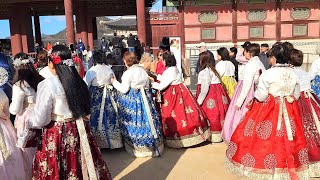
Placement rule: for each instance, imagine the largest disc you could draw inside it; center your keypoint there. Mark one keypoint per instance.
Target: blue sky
(54, 24)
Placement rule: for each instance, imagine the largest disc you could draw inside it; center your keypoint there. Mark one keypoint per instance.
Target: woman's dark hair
(76, 90)
(234, 50)
(296, 57)
(289, 45)
(130, 58)
(42, 59)
(110, 60)
(280, 52)
(206, 61)
(98, 58)
(253, 49)
(26, 72)
(169, 59)
(224, 53)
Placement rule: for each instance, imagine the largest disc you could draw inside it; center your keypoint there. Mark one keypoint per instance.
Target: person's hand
(151, 79)
(113, 79)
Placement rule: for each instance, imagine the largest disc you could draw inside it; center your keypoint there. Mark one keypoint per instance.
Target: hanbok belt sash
(103, 102)
(87, 160)
(308, 94)
(283, 115)
(146, 104)
(3, 147)
(60, 118)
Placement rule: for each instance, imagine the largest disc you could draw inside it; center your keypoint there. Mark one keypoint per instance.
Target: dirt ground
(202, 162)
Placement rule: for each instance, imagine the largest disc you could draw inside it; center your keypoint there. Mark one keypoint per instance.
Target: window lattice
(300, 30)
(300, 13)
(208, 17)
(209, 33)
(256, 32)
(257, 15)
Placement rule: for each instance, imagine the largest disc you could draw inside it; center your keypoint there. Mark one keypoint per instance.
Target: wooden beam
(234, 22)
(278, 20)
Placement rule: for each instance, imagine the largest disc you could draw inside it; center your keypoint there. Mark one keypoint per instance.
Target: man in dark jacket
(131, 43)
(115, 41)
(263, 56)
(203, 48)
(104, 46)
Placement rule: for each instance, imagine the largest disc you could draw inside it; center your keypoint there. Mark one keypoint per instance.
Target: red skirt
(59, 155)
(184, 123)
(260, 147)
(306, 106)
(215, 106)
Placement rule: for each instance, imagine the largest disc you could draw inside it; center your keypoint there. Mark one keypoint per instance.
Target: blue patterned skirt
(315, 86)
(140, 123)
(104, 121)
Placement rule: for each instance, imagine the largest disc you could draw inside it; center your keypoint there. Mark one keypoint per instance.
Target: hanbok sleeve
(17, 100)
(247, 83)
(240, 57)
(124, 86)
(204, 80)
(88, 78)
(40, 116)
(262, 90)
(166, 80)
(297, 91)
(313, 70)
(220, 68)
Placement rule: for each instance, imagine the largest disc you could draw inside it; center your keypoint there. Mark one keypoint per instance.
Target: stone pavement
(200, 162)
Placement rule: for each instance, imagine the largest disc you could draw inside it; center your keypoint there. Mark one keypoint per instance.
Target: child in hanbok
(314, 73)
(244, 91)
(12, 166)
(211, 96)
(104, 120)
(310, 113)
(140, 122)
(269, 142)
(25, 80)
(226, 70)
(68, 149)
(183, 121)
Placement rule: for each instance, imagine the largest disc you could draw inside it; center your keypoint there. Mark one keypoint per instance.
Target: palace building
(216, 22)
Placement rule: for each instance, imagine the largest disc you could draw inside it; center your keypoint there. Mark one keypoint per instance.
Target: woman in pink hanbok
(25, 82)
(11, 159)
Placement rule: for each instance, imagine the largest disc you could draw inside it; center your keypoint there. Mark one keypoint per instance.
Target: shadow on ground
(151, 168)
(117, 160)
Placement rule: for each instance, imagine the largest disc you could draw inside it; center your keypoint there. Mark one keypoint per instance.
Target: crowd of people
(258, 101)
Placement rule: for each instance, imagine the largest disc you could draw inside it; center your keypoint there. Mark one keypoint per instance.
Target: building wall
(224, 27)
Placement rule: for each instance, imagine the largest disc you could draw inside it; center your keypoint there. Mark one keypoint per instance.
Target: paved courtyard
(200, 162)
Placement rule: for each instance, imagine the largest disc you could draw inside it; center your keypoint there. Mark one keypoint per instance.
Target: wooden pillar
(81, 23)
(278, 20)
(141, 20)
(181, 27)
(90, 32)
(26, 29)
(235, 22)
(16, 41)
(69, 21)
(37, 29)
(95, 28)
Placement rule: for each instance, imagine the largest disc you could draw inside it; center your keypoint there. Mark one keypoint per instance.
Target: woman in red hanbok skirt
(310, 113)
(211, 96)
(269, 143)
(68, 149)
(184, 123)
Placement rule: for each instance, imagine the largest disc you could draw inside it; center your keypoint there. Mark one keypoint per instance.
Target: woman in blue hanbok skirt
(314, 73)
(140, 122)
(104, 121)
